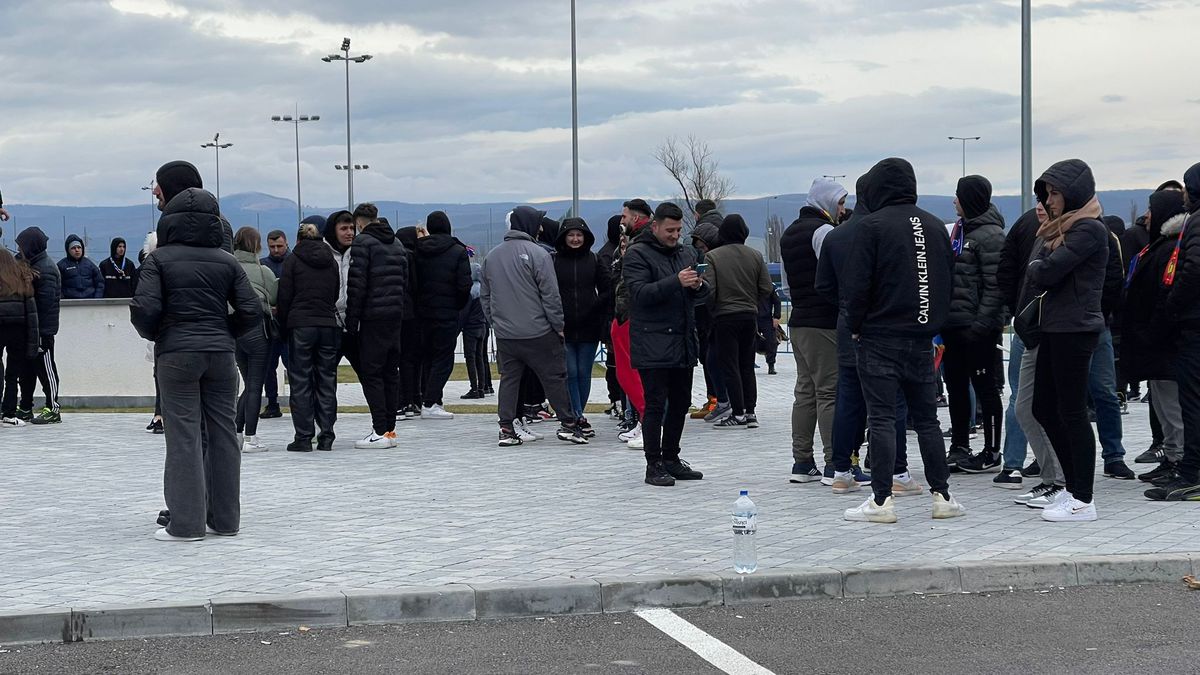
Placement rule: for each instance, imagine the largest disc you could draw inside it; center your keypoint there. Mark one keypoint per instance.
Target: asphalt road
(1128, 629)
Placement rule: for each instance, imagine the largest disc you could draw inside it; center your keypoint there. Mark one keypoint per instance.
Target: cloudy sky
(469, 100)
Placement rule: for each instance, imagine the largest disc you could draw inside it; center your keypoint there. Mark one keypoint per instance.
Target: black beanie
(319, 221)
(734, 229)
(668, 210)
(639, 206)
(175, 177)
(974, 196)
(437, 223)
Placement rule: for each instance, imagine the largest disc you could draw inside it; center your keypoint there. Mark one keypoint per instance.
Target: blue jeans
(850, 422)
(1014, 442)
(1102, 385)
(580, 356)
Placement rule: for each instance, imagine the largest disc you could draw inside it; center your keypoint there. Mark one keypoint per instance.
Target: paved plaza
(78, 504)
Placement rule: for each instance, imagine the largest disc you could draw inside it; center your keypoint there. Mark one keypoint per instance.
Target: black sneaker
(1034, 470)
(1179, 489)
(771, 370)
(300, 445)
(325, 442)
(732, 422)
(47, 416)
(1164, 468)
(751, 421)
(805, 472)
(1009, 479)
(271, 412)
(681, 470)
(657, 475)
(156, 427)
(571, 433)
(1118, 469)
(164, 518)
(957, 454)
(474, 393)
(25, 415)
(942, 402)
(1155, 454)
(508, 438)
(986, 461)
(1166, 478)
(586, 427)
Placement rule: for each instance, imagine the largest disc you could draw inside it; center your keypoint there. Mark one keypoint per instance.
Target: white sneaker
(904, 485)
(523, 431)
(947, 509)
(1037, 491)
(11, 422)
(436, 412)
(870, 512)
(843, 483)
(373, 441)
(626, 436)
(252, 444)
(638, 442)
(1070, 511)
(1051, 497)
(163, 535)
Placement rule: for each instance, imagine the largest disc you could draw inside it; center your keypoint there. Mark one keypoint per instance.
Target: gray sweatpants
(1052, 473)
(547, 358)
(202, 477)
(1164, 396)
(815, 350)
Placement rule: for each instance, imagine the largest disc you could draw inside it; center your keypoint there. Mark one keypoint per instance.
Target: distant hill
(479, 225)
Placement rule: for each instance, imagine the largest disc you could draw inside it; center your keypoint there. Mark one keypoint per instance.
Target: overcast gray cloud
(470, 100)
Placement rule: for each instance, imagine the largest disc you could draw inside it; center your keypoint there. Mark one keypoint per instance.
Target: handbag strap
(1168, 278)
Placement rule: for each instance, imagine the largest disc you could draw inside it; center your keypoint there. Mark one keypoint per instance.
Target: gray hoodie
(519, 289)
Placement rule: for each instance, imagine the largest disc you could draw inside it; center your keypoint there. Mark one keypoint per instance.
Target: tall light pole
(964, 140)
(767, 238)
(834, 176)
(153, 204)
(574, 121)
(350, 167)
(217, 147)
(350, 171)
(295, 121)
(1026, 105)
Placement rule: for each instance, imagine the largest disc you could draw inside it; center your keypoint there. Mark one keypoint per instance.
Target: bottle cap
(744, 493)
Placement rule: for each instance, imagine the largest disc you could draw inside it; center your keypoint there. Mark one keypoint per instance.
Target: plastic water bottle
(745, 524)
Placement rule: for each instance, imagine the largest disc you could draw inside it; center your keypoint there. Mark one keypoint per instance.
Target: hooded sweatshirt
(901, 266)
(1147, 349)
(341, 256)
(120, 274)
(80, 278)
(800, 248)
(175, 177)
(519, 289)
(612, 244)
(831, 269)
(1183, 302)
(583, 284)
(736, 276)
(46, 282)
(443, 272)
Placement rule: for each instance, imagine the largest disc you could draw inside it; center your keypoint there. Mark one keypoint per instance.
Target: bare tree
(692, 165)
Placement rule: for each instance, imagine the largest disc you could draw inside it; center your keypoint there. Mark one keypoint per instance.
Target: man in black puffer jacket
(47, 291)
(375, 301)
(972, 330)
(897, 295)
(443, 289)
(182, 304)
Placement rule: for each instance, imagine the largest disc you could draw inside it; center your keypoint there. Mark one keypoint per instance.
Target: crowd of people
(885, 299)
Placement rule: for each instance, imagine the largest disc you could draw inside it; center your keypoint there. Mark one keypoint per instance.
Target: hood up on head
(574, 225)
(408, 237)
(71, 240)
(861, 207)
(614, 230)
(32, 242)
(734, 230)
(1072, 177)
(549, 233)
(175, 177)
(1164, 205)
(329, 230)
(437, 223)
(526, 219)
(890, 182)
(824, 195)
(974, 196)
(1191, 184)
(319, 221)
(1115, 224)
(112, 248)
(314, 253)
(191, 218)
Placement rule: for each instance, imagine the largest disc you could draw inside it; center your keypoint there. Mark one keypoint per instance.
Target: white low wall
(101, 358)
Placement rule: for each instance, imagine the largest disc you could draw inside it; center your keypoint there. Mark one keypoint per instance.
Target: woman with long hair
(253, 347)
(18, 327)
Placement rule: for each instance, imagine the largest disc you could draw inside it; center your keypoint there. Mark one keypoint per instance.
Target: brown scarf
(1053, 232)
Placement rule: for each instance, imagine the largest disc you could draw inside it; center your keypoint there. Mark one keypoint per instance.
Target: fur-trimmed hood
(1174, 226)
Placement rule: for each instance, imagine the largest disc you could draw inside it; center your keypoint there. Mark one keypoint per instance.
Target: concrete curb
(468, 602)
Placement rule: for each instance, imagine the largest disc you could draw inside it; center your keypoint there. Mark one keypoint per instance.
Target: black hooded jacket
(443, 278)
(188, 284)
(584, 285)
(662, 330)
(1136, 238)
(831, 269)
(308, 287)
(977, 304)
(1183, 302)
(612, 244)
(900, 272)
(1014, 258)
(46, 282)
(1147, 349)
(737, 275)
(81, 278)
(1073, 275)
(379, 276)
(810, 309)
(120, 274)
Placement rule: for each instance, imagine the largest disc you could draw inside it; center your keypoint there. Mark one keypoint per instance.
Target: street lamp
(833, 176)
(350, 167)
(964, 140)
(153, 203)
(295, 121)
(1026, 105)
(574, 122)
(217, 147)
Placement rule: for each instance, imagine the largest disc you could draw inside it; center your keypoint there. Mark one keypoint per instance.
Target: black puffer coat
(443, 277)
(584, 285)
(662, 318)
(81, 279)
(188, 284)
(977, 301)
(21, 310)
(1147, 347)
(47, 287)
(379, 274)
(308, 287)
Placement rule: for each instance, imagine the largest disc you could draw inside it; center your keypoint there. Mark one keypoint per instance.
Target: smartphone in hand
(701, 268)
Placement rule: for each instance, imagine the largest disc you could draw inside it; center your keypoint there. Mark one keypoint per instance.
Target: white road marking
(707, 647)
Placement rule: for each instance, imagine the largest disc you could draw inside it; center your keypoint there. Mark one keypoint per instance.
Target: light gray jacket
(519, 289)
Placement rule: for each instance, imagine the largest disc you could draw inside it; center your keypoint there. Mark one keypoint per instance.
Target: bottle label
(745, 524)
